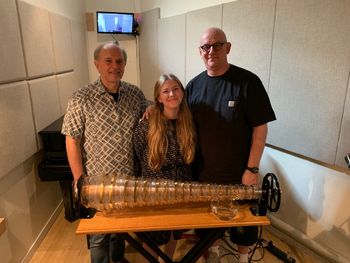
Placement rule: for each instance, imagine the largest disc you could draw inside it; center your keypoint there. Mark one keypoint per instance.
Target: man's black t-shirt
(225, 109)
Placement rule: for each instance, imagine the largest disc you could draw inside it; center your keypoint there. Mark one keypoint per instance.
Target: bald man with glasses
(230, 110)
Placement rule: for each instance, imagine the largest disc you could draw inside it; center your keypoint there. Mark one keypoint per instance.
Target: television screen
(114, 22)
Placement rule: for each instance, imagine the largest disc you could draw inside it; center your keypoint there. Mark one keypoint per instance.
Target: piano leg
(70, 213)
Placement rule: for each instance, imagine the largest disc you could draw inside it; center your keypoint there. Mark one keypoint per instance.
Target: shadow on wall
(302, 198)
(338, 236)
(314, 209)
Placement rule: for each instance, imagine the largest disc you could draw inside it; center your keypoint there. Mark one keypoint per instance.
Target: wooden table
(175, 218)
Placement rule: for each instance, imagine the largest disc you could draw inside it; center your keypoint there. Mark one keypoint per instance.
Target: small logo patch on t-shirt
(231, 103)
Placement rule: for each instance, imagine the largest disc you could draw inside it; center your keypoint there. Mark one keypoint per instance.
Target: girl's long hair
(158, 125)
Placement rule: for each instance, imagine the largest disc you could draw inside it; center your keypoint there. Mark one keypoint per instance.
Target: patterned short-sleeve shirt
(105, 127)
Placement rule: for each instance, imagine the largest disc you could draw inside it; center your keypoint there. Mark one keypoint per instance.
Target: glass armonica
(114, 192)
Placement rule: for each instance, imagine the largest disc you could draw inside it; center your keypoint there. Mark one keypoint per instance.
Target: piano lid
(54, 127)
(54, 166)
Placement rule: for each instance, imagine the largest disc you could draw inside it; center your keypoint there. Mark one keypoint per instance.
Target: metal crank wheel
(270, 196)
(273, 193)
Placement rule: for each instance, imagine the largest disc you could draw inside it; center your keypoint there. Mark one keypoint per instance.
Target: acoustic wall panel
(45, 101)
(149, 69)
(309, 75)
(196, 23)
(249, 27)
(132, 66)
(11, 52)
(67, 83)
(17, 135)
(62, 42)
(171, 47)
(37, 42)
(344, 139)
(80, 61)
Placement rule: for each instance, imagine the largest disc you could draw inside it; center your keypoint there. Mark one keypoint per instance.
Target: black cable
(229, 245)
(256, 244)
(228, 249)
(259, 245)
(228, 254)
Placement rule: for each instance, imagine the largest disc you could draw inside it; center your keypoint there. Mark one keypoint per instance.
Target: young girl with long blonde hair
(164, 145)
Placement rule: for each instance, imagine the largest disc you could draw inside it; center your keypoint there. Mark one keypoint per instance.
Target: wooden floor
(61, 244)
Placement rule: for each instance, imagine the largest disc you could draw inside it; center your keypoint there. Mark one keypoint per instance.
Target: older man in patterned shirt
(98, 125)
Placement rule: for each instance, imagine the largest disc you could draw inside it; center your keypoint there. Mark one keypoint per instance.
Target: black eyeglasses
(215, 46)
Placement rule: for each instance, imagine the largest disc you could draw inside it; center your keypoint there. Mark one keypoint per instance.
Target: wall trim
(42, 234)
(294, 237)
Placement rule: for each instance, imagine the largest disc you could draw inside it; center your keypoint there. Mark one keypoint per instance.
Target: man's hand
(75, 190)
(148, 112)
(77, 185)
(250, 178)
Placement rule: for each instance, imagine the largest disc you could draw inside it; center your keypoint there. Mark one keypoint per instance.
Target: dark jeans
(106, 247)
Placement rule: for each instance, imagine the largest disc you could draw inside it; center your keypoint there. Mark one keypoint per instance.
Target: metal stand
(192, 255)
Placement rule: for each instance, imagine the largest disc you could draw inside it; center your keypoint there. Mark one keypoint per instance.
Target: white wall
(314, 208)
(128, 42)
(72, 9)
(171, 8)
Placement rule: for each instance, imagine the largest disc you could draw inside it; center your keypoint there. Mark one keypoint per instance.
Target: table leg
(135, 244)
(154, 247)
(191, 256)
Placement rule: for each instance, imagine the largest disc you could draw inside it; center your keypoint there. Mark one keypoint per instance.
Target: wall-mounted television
(114, 22)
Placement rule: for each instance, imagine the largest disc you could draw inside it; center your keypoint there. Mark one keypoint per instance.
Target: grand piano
(55, 167)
